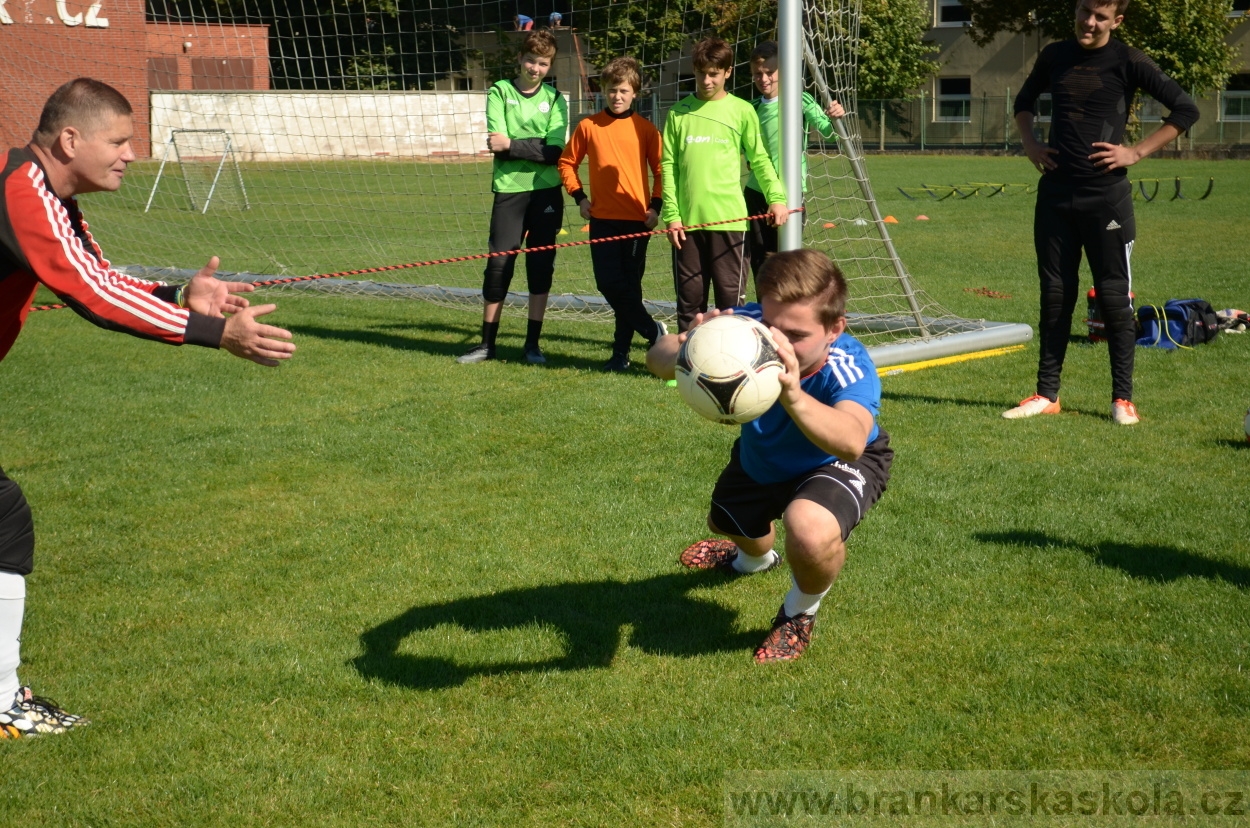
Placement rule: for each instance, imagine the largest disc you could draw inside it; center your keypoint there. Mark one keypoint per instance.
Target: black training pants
(709, 259)
(17, 529)
(1096, 216)
(619, 267)
(534, 217)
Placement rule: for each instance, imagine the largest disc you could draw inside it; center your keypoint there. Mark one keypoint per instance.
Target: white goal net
(302, 137)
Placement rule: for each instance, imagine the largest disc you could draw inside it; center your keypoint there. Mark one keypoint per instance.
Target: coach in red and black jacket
(82, 145)
(44, 239)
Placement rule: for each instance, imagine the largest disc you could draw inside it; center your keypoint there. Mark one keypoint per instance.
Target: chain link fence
(986, 122)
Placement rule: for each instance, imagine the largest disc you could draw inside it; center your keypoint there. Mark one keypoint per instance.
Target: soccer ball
(728, 369)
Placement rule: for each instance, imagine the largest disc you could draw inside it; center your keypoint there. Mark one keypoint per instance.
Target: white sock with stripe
(799, 602)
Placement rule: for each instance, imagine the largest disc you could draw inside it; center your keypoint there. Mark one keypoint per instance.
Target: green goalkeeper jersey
(704, 142)
(769, 113)
(545, 115)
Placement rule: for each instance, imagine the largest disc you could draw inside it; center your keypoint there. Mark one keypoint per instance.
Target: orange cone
(829, 225)
(586, 229)
(922, 218)
(890, 220)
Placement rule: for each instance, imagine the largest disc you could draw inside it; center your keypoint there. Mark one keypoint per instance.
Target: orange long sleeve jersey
(621, 148)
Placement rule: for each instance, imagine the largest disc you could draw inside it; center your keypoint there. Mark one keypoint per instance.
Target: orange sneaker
(1034, 405)
(1124, 413)
(787, 639)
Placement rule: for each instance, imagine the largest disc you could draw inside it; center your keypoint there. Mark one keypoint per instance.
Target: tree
(894, 57)
(1187, 38)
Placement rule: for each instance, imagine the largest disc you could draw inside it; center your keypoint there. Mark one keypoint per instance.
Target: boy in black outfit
(1084, 199)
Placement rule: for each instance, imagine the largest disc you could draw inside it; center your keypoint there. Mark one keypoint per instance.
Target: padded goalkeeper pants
(533, 217)
(713, 260)
(1097, 217)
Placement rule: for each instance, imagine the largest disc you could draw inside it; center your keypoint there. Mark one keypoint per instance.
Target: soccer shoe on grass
(1124, 413)
(1034, 405)
(788, 638)
(478, 353)
(534, 356)
(617, 364)
(718, 554)
(31, 715)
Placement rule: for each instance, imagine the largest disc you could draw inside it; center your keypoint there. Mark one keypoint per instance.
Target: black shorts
(743, 507)
(17, 529)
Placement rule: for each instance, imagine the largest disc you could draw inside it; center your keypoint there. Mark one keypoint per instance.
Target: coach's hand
(652, 219)
(210, 296)
(584, 208)
(245, 337)
(777, 214)
(676, 233)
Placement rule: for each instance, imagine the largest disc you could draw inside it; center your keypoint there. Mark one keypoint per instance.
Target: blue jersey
(773, 448)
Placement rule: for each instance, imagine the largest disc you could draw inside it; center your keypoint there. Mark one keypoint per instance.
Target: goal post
(202, 156)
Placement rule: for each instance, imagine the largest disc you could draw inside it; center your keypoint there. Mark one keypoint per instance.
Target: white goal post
(202, 155)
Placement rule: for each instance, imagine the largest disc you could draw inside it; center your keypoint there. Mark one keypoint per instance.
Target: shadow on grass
(380, 339)
(997, 406)
(1237, 445)
(509, 350)
(664, 620)
(1149, 562)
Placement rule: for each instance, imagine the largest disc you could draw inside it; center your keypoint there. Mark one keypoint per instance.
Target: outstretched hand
(245, 337)
(211, 296)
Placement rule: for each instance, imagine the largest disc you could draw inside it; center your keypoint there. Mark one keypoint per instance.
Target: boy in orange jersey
(621, 145)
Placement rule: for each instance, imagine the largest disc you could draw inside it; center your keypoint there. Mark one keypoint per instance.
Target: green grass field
(377, 587)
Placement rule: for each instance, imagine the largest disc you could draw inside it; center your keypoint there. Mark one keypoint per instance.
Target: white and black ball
(728, 369)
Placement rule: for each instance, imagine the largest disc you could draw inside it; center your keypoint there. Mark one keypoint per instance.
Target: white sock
(799, 602)
(753, 563)
(12, 603)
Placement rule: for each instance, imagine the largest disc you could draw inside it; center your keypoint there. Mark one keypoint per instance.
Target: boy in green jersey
(705, 136)
(527, 121)
(762, 239)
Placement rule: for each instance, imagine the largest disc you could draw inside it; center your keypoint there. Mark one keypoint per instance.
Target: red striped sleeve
(58, 258)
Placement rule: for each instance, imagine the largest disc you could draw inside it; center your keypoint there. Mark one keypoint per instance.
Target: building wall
(43, 48)
(286, 126)
(1001, 67)
(204, 56)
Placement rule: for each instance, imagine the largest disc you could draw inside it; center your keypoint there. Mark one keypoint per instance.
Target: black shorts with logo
(743, 507)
